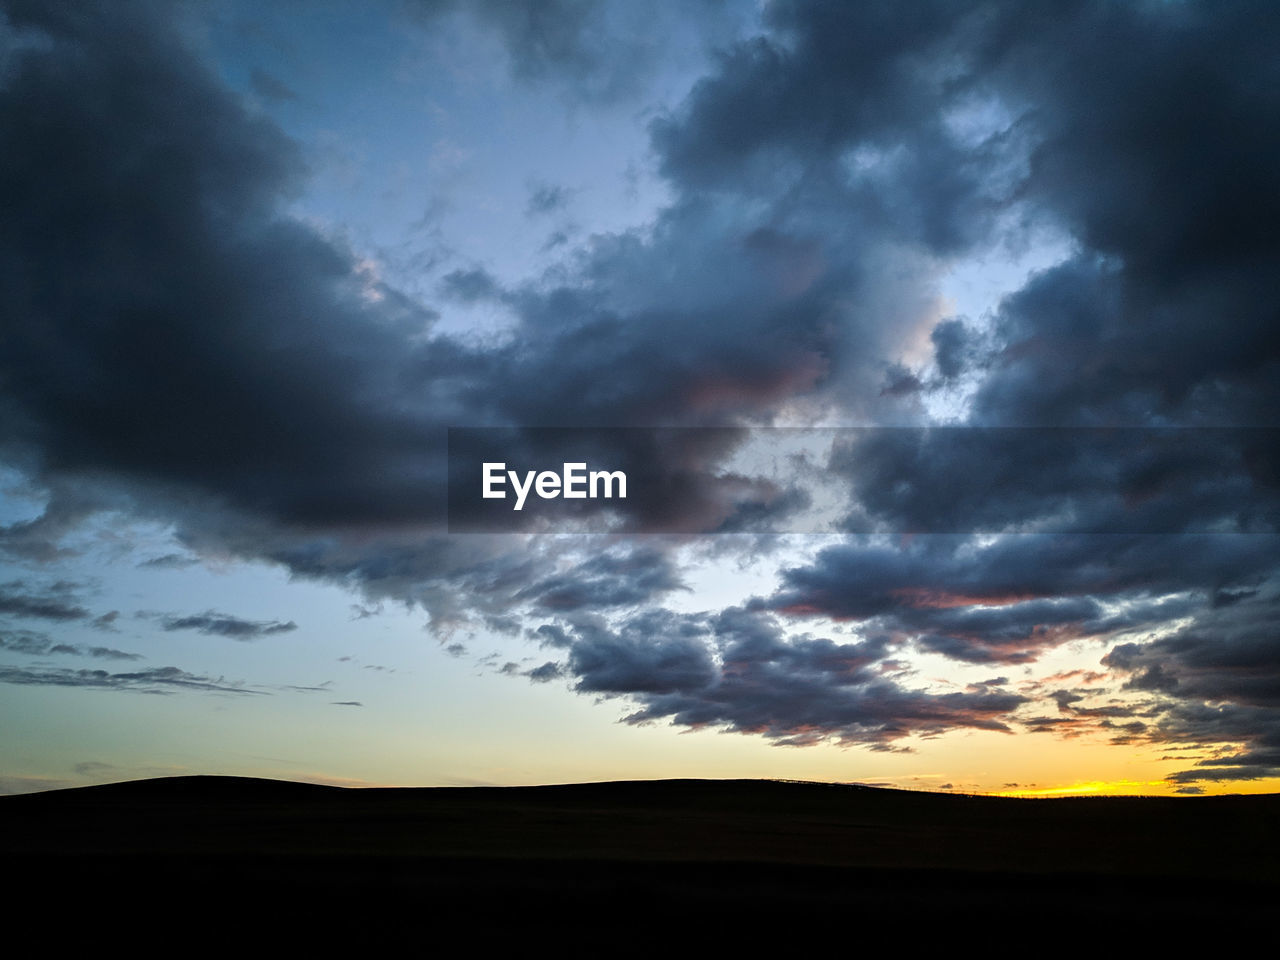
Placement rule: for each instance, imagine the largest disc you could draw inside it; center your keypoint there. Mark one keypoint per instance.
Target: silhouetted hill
(668, 849)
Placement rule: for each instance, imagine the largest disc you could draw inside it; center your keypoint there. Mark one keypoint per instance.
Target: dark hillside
(604, 854)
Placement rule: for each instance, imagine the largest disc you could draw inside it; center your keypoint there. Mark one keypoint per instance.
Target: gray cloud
(738, 671)
(606, 580)
(169, 561)
(226, 625)
(16, 600)
(270, 87)
(1216, 681)
(158, 680)
(41, 644)
(592, 51)
(547, 198)
(546, 672)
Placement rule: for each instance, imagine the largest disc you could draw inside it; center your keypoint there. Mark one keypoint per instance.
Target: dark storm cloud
(1217, 681)
(1146, 131)
(1157, 130)
(1165, 313)
(866, 577)
(285, 446)
(1114, 480)
(226, 625)
(738, 671)
(654, 652)
(552, 635)
(1000, 636)
(1227, 655)
(611, 579)
(848, 100)
(196, 340)
(1241, 772)
(1081, 346)
(1010, 600)
(952, 343)
(212, 360)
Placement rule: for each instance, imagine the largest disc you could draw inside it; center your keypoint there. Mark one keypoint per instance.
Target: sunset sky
(981, 299)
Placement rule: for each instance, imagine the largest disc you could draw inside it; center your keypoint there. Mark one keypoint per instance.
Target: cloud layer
(184, 347)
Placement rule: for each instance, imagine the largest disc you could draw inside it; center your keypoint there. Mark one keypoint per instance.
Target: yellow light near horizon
(1094, 788)
(1147, 788)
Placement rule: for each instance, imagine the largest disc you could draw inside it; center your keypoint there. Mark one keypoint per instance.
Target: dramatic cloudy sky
(939, 340)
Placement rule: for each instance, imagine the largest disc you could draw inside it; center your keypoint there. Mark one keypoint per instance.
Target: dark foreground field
(680, 862)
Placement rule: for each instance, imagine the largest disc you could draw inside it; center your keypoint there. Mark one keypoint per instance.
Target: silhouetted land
(723, 859)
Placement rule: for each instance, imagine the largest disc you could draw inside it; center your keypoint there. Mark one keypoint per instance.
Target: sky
(938, 343)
